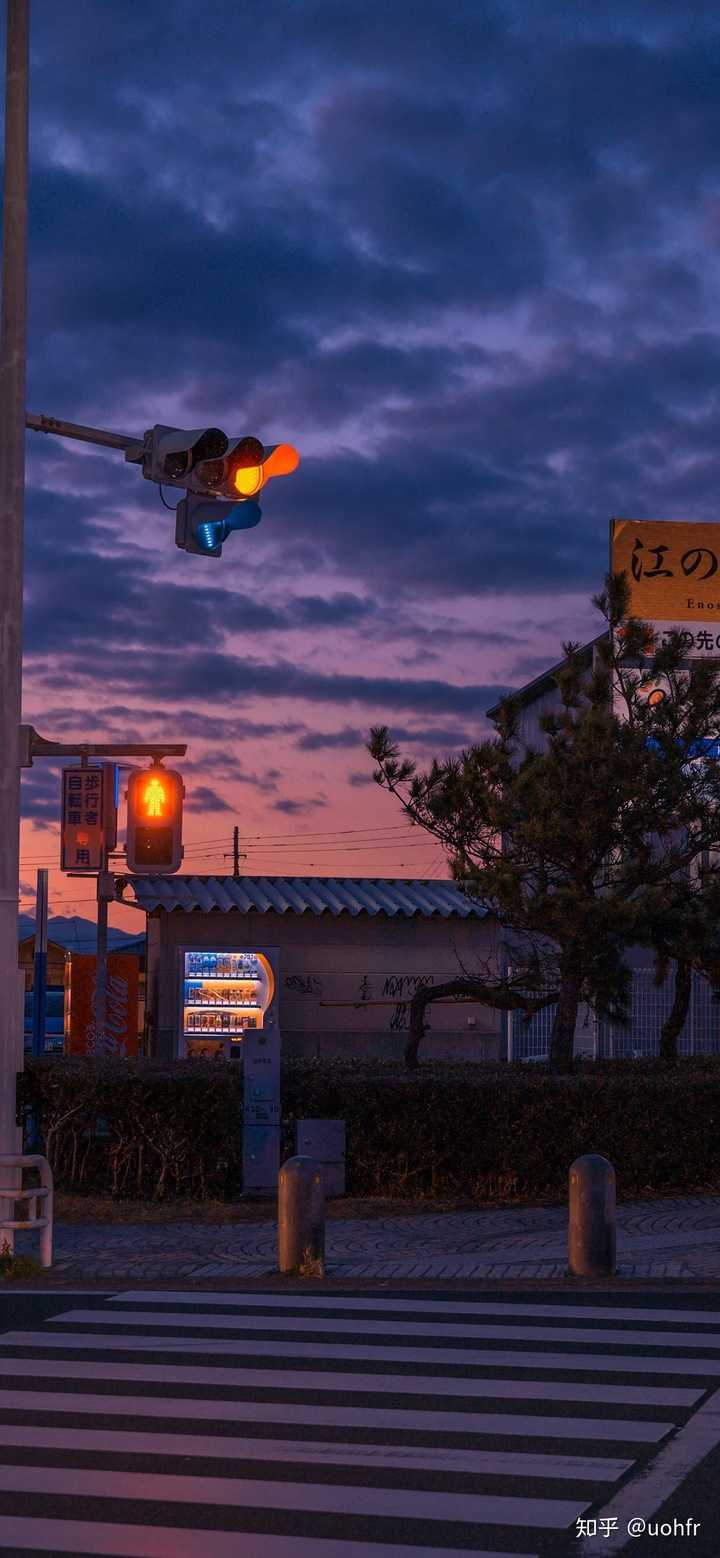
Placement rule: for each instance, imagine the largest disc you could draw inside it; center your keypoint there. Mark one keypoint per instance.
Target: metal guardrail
(39, 1198)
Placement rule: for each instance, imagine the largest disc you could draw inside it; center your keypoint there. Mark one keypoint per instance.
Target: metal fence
(650, 1005)
(530, 1038)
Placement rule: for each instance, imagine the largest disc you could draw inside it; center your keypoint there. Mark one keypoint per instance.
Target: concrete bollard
(592, 1218)
(301, 1217)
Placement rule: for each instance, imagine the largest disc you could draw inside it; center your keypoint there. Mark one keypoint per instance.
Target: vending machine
(229, 1010)
(225, 996)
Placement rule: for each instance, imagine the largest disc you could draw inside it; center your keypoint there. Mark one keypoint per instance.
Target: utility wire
(328, 834)
(171, 506)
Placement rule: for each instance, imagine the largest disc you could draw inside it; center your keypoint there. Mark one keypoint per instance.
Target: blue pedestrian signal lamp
(202, 524)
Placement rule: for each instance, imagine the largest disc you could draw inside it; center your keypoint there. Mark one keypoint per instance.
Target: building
(650, 1002)
(350, 954)
(63, 971)
(57, 959)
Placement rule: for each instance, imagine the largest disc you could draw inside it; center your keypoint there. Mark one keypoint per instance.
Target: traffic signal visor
(172, 452)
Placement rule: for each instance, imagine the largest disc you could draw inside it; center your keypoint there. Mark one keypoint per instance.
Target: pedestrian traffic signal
(171, 453)
(154, 821)
(243, 469)
(202, 524)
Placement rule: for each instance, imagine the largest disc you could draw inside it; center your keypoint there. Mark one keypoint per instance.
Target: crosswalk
(295, 1425)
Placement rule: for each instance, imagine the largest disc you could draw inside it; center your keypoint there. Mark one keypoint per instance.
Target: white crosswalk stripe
(205, 1425)
(455, 1331)
(454, 1357)
(441, 1308)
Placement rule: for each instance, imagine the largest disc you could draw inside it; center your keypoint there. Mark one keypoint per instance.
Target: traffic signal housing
(170, 454)
(205, 461)
(202, 524)
(154, 821)
(243, 470)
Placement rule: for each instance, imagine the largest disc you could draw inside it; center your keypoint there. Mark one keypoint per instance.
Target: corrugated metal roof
(304, 895)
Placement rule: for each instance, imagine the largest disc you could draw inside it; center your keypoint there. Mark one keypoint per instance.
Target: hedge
(148, 1130)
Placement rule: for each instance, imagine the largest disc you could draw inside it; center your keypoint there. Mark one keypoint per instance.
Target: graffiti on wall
(303, 984)
(388, 996)
(404, 986)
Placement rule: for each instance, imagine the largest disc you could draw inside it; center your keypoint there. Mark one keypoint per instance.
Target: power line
(328, 834)
(334, 849)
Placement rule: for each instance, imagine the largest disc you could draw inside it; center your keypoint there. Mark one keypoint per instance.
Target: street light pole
(13, 338)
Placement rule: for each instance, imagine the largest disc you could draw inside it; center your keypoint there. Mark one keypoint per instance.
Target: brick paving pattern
(677, 1238)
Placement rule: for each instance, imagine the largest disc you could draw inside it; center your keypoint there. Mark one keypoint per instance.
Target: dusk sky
(465, 258)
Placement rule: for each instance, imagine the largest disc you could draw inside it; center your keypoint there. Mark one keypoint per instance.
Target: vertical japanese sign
(83, 838)
(121, 998)
(89, 817)
(673, 571)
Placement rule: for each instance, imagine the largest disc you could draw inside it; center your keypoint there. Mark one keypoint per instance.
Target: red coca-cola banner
(121, 1005)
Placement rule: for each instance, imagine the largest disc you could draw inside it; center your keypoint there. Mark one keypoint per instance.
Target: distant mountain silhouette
(70, 931)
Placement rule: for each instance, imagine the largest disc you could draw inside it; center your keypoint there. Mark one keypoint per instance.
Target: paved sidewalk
(677, 1238)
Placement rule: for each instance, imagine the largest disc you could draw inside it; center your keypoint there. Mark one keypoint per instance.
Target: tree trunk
(562, 1038)
(677, 1016)
(502, 996)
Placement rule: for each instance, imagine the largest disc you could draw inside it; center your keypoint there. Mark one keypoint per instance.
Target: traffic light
(202, 524)
(244, 468)
(204, 460)
(154, 821)
(171, 453)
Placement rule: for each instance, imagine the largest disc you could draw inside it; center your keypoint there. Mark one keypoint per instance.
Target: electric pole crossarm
(133, 446)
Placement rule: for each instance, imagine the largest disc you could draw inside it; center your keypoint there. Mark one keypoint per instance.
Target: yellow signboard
(673, 569)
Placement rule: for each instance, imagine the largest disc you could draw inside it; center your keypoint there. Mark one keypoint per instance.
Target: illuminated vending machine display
(226, 995)
(229, 1008)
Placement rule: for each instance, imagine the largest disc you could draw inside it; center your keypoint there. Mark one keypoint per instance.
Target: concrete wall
(345, 981)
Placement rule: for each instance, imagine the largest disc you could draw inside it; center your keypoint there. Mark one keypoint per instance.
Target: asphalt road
(200, 1424)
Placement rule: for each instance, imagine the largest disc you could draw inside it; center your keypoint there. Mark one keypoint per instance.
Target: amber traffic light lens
(248, 479)
(656, 696)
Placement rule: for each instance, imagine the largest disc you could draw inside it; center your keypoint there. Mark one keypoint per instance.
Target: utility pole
(101, 959)
(40, 964)
(13, 354)
(238, 854)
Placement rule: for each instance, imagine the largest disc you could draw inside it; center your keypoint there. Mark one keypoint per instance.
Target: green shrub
(138, 1128)
(145, 1129)
(17, 1268)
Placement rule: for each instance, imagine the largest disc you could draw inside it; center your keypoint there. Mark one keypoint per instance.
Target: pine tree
(584, 845)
